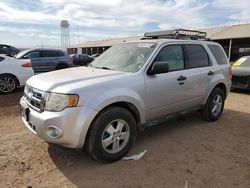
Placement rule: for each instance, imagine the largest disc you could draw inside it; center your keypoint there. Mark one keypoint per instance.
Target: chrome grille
(34, 98)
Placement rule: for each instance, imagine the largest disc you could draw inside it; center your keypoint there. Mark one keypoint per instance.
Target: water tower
(65, 39)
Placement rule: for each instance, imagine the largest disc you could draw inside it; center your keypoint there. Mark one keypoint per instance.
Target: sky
(36, 23)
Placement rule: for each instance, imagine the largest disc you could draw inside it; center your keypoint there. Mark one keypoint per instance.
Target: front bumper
(241, 82)
(68, 127)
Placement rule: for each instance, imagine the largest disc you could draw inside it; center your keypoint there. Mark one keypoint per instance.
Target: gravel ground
(181, 151)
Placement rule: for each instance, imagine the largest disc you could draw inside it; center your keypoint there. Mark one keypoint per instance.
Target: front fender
(111, 96)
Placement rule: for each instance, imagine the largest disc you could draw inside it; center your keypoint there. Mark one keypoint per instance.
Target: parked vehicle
(81, 59)
(241, 73)
(44, 60)
(13, 73)
(129, 87)
(95, 55)
(8, 50)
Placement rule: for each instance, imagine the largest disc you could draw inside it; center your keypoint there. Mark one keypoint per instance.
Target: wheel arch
(62, 64)
(123, 104)
(220, 85)
(9, 74)
(128, 106)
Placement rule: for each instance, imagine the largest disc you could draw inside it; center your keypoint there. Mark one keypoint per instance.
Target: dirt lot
(182, 150)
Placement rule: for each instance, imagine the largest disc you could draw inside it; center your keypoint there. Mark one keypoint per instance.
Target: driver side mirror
(159, 68)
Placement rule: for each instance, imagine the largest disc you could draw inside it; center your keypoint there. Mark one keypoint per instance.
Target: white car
(13, 73)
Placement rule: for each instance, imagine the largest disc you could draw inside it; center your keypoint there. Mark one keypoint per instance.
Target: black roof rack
(177, 34)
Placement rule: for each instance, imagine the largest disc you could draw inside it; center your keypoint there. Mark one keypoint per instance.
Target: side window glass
(48, 53)
(32, 55)
(173, 55)
(218, 54)
(59, 53)
(197, 56)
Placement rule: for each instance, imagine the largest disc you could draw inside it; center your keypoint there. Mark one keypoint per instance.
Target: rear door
(49, 59)
(201, 70)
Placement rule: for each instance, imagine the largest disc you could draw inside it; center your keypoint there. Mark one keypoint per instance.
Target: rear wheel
(214, 105)
(61, 66)
(8, 83)
(111, 135)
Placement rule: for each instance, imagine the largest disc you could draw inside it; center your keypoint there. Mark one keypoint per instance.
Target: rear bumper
(70, 126)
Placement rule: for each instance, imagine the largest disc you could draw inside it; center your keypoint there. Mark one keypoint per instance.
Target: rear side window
(60, 53)
(31, 55)
(218, 54)
(173, 56)
(48, 53)
(197, 56)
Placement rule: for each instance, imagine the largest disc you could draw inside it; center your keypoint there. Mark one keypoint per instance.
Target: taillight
(27, 65)
(230, 75)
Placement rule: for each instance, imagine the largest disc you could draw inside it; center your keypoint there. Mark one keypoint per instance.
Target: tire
(61, 66)
(8, 83)
(214, 105)
(111, 135)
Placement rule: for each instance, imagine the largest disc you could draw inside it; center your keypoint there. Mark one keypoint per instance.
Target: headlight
(58, 102)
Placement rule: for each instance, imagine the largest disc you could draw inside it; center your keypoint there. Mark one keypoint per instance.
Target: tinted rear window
(60, 53)
(218, 54)
(48, 53)
(197, 56)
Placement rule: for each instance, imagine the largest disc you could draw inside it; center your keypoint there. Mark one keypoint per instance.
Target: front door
(168, 92)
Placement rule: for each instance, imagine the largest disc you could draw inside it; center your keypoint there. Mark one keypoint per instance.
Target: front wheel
(111, 135)
(214, 105)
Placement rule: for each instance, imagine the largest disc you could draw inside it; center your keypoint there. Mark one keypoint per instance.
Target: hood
(68, 80)
(241, 71)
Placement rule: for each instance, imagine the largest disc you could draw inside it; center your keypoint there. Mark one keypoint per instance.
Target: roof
(228, 32)
(216, 33)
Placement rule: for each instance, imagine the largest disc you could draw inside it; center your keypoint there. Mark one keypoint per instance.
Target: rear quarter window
(218, 54)
(197, 56)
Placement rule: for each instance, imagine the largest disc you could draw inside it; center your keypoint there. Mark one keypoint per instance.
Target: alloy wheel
(115, 136)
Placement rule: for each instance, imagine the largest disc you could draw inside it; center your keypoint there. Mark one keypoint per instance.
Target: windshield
(242, 62)
(20, 54)
(127, 57)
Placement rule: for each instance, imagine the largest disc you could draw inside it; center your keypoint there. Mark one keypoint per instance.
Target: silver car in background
(241, 73)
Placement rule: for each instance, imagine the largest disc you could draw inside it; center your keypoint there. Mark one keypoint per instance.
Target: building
(235, 40)
(95, 47)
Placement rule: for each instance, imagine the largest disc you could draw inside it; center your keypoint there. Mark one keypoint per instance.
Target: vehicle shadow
(160, 141)
(11, 99)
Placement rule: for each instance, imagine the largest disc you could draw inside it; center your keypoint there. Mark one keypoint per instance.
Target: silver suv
(129, 87)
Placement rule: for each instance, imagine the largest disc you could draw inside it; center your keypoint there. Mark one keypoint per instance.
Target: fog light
(54, 132)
